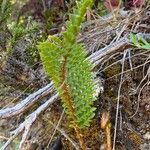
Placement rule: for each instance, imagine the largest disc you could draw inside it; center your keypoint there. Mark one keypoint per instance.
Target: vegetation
(91, 55)
(64, 61)
(140, 43)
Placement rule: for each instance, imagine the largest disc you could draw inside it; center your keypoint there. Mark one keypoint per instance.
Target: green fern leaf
(76, 19)
(51, 57)
(81, 84)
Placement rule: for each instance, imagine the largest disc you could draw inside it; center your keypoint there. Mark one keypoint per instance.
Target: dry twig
(118, 100)
(26, 103)
(26, 125)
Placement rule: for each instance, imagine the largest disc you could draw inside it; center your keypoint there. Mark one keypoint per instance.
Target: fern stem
(70, 105)
(80, 138)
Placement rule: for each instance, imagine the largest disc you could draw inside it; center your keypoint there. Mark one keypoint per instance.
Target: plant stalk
(69, 102)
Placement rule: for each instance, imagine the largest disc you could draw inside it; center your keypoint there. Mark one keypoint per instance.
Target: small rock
(147, 136)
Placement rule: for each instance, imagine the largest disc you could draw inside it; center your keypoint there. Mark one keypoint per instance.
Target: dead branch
(26, 103)
(27, 124)
(102, 54)
(108, 50)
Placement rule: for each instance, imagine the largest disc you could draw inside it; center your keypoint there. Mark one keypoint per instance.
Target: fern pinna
(65, 62)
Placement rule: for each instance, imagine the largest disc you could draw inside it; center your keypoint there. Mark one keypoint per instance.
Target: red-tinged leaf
(111, 4)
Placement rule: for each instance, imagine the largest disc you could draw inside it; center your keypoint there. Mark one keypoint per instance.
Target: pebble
(147, 136)
(147, 107)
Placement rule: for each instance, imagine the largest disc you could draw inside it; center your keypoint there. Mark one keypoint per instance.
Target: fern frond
(76, 19)
(66, 64)
(81, 85)
(51, 57)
